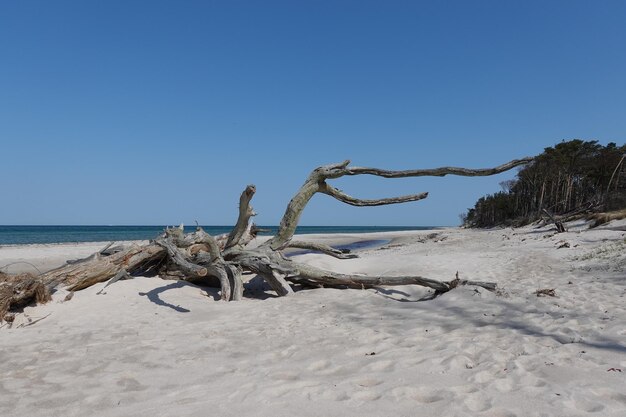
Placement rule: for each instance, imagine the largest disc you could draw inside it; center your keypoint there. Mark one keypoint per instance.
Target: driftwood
(586, 210)
(17, 291)
(557, 223)
(221, 260)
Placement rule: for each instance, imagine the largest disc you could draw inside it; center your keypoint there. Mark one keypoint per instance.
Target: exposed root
(18, 291)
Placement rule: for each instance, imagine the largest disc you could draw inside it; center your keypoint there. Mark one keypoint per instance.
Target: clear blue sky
(159, 112)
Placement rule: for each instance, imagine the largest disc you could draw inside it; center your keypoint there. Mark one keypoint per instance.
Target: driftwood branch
(438, 172)
(180, 260)
(234, 278)
(123, 274)
(557, 223)
(226, 286)
(345, 198)
(18, 291)
(269, 267)
(322, 248)
(245, 213)
(94, 270)
(200, 237)
(316, 182)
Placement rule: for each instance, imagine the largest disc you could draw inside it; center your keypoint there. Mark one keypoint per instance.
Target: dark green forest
(572, 177)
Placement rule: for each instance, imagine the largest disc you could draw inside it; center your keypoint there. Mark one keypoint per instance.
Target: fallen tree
(207, 260)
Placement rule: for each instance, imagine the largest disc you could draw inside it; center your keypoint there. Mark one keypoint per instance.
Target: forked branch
(316, 182)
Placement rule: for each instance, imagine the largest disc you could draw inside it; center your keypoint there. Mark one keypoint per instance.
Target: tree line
(574, 176)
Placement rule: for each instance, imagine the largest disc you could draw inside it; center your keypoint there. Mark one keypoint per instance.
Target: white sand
(150, 347)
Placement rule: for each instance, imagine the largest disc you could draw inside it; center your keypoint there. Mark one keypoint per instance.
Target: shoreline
(47, 256)
(28, 235)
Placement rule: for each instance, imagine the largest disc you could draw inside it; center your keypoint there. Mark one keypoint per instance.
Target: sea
(21, 235)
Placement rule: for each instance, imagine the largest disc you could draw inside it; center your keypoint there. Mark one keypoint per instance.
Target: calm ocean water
(17, 235)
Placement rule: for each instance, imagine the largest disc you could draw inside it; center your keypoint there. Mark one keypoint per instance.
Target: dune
(149, 347)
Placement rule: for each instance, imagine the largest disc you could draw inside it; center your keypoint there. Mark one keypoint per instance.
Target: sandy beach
(149, 347)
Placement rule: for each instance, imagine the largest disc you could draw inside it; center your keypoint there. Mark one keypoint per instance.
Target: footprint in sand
(324, 367)
(477, 402)
(504, 385)
(319, 365)
(465, 389)
(455, 362)
(483, 377)
(422, 395)
(130, 384)
(527, 364)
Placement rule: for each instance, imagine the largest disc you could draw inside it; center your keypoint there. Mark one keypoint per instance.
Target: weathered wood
(322, 248)
(105, 251)
(203, 238)
(197, 248)
(122, 274)
(557, 223)
(316, 277)
(316, 182)
(268, 269)
(245, 213)
(236, 282)
(94, 270)
(176, 235)
(220, 273)
(439, 172)
(345, 198)
(176, 256)
(17, 291)
(296, 205)
(332, 279)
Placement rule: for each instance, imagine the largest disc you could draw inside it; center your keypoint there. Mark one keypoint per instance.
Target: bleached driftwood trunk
(221, 260)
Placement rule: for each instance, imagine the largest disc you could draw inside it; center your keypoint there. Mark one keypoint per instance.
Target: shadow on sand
(153, 295)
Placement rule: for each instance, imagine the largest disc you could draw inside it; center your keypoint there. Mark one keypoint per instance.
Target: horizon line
(207, 225)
